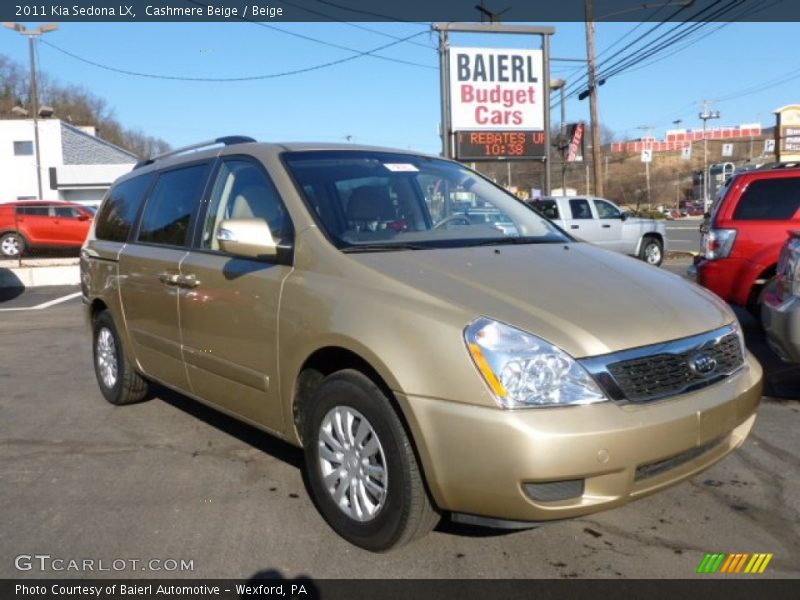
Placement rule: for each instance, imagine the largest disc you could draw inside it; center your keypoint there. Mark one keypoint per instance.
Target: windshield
(375, 200)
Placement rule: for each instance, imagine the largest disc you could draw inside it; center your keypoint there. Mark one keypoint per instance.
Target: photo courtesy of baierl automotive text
(344, 299)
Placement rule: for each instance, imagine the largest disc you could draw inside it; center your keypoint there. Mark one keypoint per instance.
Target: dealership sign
(496, 89)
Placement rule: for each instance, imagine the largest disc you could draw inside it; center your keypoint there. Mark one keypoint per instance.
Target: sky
(373, 101)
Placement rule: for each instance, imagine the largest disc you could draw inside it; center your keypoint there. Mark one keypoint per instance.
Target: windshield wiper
(383, 247)
(514, 240)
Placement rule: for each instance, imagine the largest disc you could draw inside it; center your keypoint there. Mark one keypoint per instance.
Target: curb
(39, 276)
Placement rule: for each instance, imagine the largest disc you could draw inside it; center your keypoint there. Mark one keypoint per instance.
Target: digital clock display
(483, 145)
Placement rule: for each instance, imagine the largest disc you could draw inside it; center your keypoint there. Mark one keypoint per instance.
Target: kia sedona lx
(346, 299)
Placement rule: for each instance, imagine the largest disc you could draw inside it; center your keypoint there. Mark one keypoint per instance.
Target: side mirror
(251, 238)
(83, 217)
(707, 215)
(624, 216)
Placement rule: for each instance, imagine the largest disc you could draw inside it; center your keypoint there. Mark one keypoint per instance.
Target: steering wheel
(451, 218)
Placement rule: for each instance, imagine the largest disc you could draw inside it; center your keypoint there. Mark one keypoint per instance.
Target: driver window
(606, 210)
(243, 191)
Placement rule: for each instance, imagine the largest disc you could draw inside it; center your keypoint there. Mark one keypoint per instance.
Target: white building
(75, 164)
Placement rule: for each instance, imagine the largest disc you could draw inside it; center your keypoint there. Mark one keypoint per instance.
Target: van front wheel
(361, 466)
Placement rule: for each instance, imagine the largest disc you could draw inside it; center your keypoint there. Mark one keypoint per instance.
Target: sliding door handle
(169, 278)
(188, 281)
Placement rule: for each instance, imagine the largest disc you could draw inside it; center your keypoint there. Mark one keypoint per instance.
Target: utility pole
(590, 56)
(705, 116)
(32, 35)
(648, 129)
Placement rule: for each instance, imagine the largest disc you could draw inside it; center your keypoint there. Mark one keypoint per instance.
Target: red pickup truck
(748, 225)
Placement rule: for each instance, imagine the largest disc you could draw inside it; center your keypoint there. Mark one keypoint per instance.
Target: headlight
(523, 370)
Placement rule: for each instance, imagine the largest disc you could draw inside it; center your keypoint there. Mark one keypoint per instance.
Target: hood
(586, 300)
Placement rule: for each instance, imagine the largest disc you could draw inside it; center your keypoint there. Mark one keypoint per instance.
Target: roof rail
(227, 140)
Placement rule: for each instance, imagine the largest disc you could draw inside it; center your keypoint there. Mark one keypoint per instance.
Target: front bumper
(477, 460)
(781, 321)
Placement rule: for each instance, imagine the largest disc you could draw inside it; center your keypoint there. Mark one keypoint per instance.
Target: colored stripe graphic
(711, 563)
(720, 562)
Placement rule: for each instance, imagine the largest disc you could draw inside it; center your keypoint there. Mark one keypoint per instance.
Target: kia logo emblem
(703, 364)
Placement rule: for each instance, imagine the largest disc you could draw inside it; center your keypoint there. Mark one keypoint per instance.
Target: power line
(645, 53)
(230, 79)
(674, 35)
(637, 40)
(324, 43)
(355, 25)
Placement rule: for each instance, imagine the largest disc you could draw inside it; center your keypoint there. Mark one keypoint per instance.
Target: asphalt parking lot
(171, 479)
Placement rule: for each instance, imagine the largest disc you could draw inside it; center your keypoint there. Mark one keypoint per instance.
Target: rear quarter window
(118, 213)
(769, 200)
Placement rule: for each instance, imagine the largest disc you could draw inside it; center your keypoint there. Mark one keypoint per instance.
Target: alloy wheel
(106, 357)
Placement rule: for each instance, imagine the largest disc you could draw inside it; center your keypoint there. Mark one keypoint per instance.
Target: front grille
(659, 375)
(668, 369)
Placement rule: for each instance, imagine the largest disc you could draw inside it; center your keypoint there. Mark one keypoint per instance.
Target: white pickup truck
(603, 223)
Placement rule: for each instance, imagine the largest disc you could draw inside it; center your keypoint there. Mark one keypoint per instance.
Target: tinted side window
(67, 212)
(116, 217)
(169, 208)
(548, 208)
(580, 208)
(33, 211)
(767, 199)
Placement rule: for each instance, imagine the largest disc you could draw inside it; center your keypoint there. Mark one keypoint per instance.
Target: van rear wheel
(361, 467)
(119, 382)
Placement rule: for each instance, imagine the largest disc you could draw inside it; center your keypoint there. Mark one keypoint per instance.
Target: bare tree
(73, 104)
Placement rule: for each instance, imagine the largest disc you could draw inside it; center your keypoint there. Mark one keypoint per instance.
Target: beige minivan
(434, 344)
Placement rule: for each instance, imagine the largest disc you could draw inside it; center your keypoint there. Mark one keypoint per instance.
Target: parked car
(42, 224)
(745, 231)
(672, 213)
(333, 296)
(780, 311)
(601, 222)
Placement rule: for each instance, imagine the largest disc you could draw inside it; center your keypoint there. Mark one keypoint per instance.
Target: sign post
(787, 134)
(495, 101)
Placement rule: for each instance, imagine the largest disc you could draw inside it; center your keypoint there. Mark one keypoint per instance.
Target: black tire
(407, 512)
(128, 386)
(652, 251)
(9, 240)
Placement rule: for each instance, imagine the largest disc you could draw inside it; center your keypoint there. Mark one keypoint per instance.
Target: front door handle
(574, 226)
(606, 226)
(169, 278)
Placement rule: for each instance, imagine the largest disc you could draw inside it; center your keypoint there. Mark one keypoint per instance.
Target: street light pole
(32, 35)
(705, 116)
